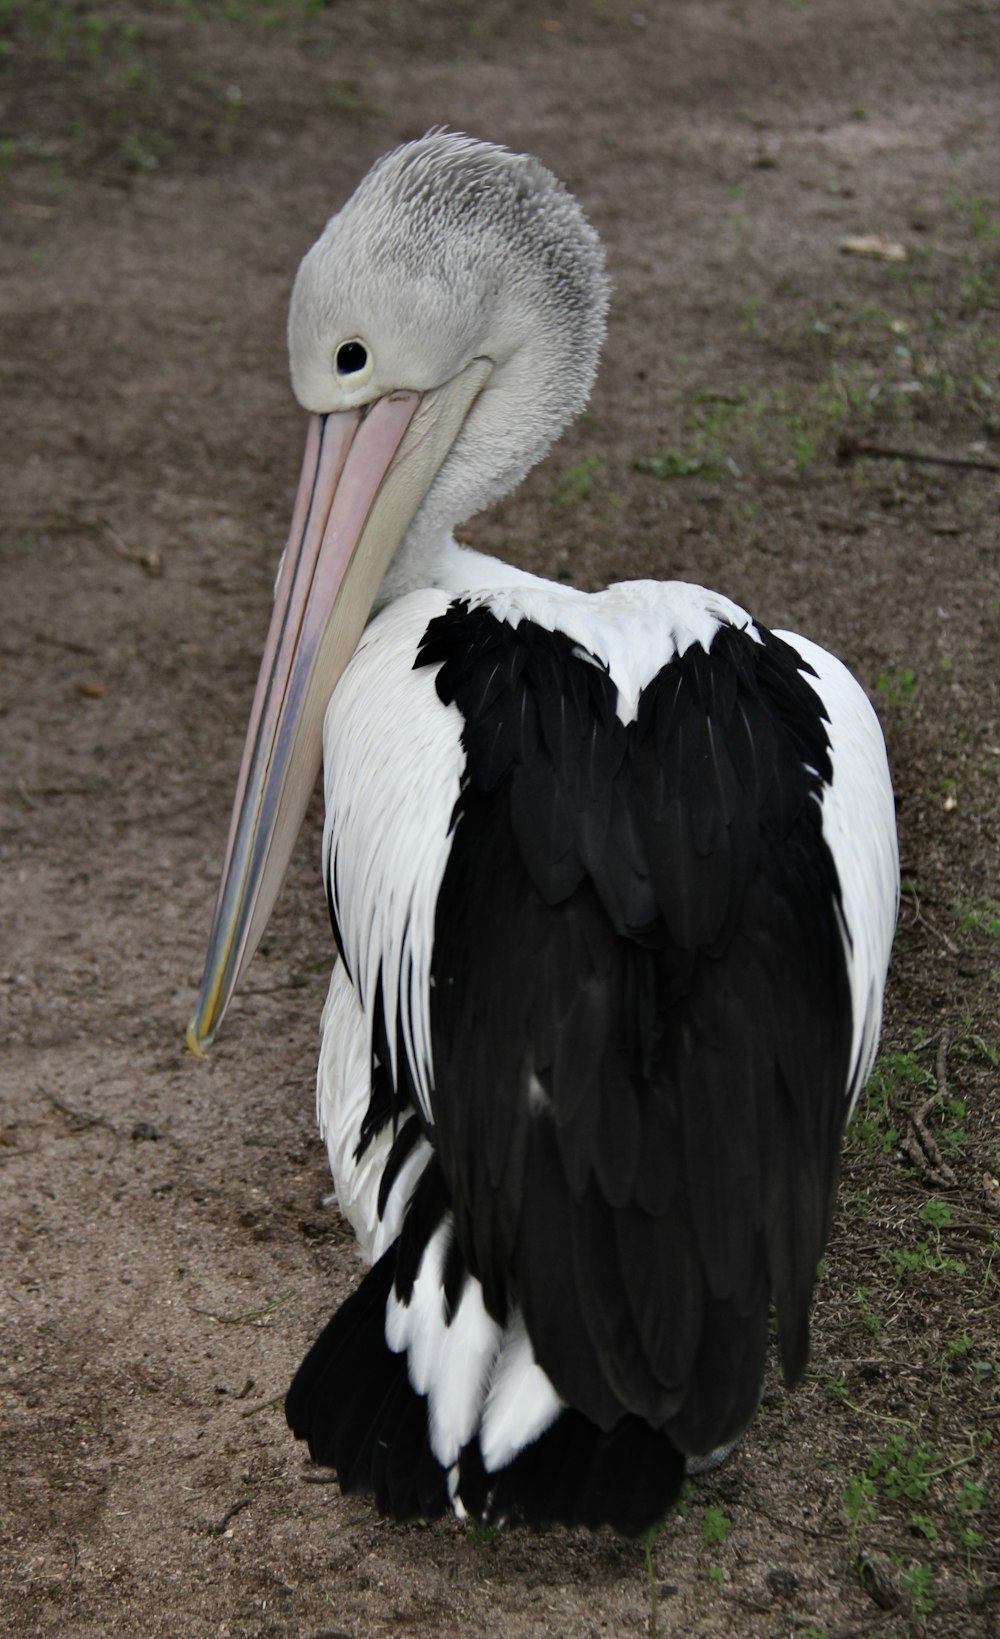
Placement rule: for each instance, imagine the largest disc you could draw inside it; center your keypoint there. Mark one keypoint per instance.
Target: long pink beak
(364, 476)
(346, 458)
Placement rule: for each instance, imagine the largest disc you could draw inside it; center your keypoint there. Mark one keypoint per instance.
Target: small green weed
(988, 1051)
(936, 1215)
(899, 688)
(868, 1316)
(893, 1073)
(925, 1525)
(954, 1354)
(579, 481)
(953, 1139)
(481, 1536)
(715, 1526)
(901, 1470)
(674, 463)
(971, 1540)
(984, 919)
(917, 1581)
(858, 1505)
(983, 213)
(971, 1498)
(908, 1260)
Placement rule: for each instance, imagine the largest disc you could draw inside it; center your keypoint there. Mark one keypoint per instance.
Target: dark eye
(352, 356)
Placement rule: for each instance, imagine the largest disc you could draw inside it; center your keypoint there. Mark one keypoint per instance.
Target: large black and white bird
(613, 882)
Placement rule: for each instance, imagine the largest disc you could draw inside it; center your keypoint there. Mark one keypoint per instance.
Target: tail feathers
(353, 1402)
(575, 1474)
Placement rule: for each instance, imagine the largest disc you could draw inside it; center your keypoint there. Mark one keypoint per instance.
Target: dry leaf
(92, 690)
(878, 245)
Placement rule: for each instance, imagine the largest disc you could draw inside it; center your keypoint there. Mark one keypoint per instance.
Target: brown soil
(167, 1254)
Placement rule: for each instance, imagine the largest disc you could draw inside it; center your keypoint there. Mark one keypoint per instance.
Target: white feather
(634, 628)
(343, 1090)
(449, 1363)
(521, 1403)
(393, 762)
(476, 1375)
(859, 825)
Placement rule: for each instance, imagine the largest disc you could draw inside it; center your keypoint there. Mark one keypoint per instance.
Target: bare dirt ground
(167, 1257)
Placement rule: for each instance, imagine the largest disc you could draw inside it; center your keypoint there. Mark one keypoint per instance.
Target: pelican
(613, 882)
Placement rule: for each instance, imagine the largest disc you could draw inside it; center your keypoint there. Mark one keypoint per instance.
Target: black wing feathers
(640, 1014)
(351, 1400)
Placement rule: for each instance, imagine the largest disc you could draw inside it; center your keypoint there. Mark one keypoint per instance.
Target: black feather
(640, 1014)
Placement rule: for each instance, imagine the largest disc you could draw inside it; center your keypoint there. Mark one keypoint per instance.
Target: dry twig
(920, 1144)
(848, 447)
(80, 1119)
(237, 1508)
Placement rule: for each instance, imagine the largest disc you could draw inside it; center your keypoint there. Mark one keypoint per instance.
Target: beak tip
(195, 1042)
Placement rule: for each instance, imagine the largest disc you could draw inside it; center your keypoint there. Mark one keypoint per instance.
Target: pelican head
(443, 329)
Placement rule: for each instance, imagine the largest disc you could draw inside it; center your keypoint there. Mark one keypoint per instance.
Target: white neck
(450, 567)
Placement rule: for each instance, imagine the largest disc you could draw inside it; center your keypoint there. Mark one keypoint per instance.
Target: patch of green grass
(858, 1505)
(674, 463)
(953, 1355)
(899, 688)
(937, 1215)
(903, 1470)
(971, 1498)
(748, 315)
(982, 213)
(917, 1581)
(907, 1475)
(707, 424)
(481, 1536)
(984, 919)
(925, 1256)
(871, 1127)
(92, 88)
(987, 1050)
(726, 433)
(715, 1526)
(924, 1525)
(578, 482)
(868, 1316)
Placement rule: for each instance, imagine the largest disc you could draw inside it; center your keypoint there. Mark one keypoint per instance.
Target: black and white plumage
(613, 881)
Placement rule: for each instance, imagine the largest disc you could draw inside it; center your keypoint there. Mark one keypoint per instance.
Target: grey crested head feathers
(449, 250)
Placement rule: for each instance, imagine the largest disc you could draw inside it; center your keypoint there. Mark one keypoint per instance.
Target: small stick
(83, 1121)
(265, 1405)
(919, 915)
(150, 561)
(848, 448)
(248, 1315)
(237, 1508)
(920, 1144)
